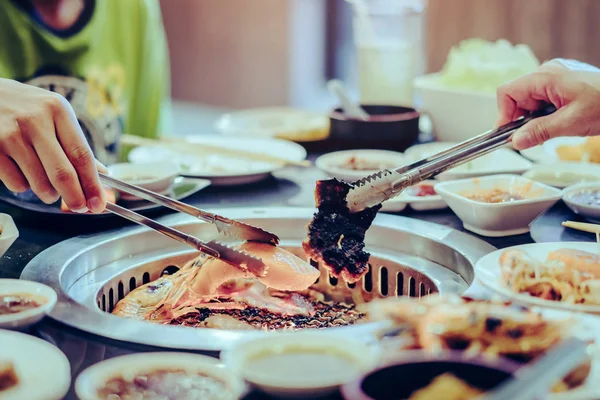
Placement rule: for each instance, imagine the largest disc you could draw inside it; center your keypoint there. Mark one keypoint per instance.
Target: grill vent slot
(387, 279)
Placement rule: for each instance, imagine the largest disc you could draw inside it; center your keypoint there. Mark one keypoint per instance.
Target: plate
(44, 372)
(96, 375)
(501, 161)
(394, 205)
(424, 203)
(275, 122)
(182, 188)
(487, 271)
(29, 317)
(333, 163)
(563, 174)
(546, 153)
(224, 170)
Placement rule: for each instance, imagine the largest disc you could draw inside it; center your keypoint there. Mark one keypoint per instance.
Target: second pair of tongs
(224, 225)
(388, 183)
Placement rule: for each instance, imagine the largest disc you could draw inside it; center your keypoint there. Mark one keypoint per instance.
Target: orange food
(582, 261)
(285, 271)
(108, 192)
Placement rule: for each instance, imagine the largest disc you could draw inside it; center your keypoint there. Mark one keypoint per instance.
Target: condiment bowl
(388, 127)
(498, 219)
(42, 294)
(415, 370)
(301, 364)
(338, 164)
(157, 177)
(8, 234)
(584, 199)
(96, 376)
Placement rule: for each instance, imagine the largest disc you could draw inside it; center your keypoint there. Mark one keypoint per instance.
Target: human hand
(571, 86)
(43, 148)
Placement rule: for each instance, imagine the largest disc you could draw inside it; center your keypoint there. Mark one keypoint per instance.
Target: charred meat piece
(336, 236)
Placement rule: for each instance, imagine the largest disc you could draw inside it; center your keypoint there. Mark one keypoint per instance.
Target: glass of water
(389, 38)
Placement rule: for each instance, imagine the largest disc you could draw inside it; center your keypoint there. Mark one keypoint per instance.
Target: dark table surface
(292, 187)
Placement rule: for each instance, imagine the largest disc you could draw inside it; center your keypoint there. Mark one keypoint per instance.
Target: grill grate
(384, 278)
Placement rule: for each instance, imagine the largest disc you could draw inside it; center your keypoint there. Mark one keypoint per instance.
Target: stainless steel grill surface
(92, 273)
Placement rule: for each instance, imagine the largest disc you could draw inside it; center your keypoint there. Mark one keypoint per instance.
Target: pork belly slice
(336, 236)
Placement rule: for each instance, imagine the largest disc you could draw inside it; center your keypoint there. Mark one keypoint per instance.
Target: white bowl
(26, 318)
(9, 234)
(365, 356)
(157, 177)
(332, 163)
(589, 212)
(564, 174)
(43, 370)
(423, 203)
(456, 115)
(94, 377)
(498, 219)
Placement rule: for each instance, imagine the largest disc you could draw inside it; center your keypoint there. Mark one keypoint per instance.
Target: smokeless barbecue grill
(92, 273)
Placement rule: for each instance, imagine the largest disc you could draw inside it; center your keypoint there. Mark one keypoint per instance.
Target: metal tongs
(236, 229)
(388, 183)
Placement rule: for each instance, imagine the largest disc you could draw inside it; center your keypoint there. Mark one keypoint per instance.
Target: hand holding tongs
(224, 225)
(386, 184)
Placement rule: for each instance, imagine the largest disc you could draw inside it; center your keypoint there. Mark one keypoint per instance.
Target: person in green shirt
(74, 75)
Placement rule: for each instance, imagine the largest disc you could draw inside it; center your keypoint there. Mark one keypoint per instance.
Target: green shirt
(112, 66)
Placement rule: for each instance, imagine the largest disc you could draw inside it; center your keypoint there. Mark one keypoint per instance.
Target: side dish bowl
(584, 199)
(301, 364)
(526, 201)
(415, 370)
(351, 165)
(158, 177)
(43, 295)
(95, 377)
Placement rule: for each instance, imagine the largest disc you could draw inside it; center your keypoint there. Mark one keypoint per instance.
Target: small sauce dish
(415, 371)
(301, 364)
(24, 303)
(157, 177)
(191, 375)
(584, 199)
(351, 165)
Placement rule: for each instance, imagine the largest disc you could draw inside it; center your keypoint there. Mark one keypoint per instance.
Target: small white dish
(423, 203)
(571, 198)
(155, 176)
(489, 273)
(498, 219)
(546, 152)
(336, 164)
(9, 233)
(394, 205)
(29, 317)
(563, 174)
(96, 376)
(224, 170)
(291, 378)
(43, 371)
(501, 161)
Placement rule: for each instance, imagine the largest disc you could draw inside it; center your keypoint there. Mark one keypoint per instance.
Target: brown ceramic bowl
(388, 128)
(415, 371)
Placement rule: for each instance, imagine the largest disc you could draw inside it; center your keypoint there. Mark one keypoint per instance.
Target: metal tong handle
(531, 381)
(481, 138)
(165, 230)
(159, 199)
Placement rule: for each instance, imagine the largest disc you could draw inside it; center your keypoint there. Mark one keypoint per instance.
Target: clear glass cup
(389, 38)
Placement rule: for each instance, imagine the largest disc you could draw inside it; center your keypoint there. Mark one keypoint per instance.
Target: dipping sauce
(18, 302)
(421, 190)
(302, 367)
(447, 387)
(8, 376)
(171, 384)
(589, 198)
(361, 164)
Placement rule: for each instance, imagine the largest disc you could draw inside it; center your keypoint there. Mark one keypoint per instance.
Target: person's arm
(43, 148)
(571, 86)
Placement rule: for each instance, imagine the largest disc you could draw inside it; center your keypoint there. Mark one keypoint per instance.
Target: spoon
(350, 108)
